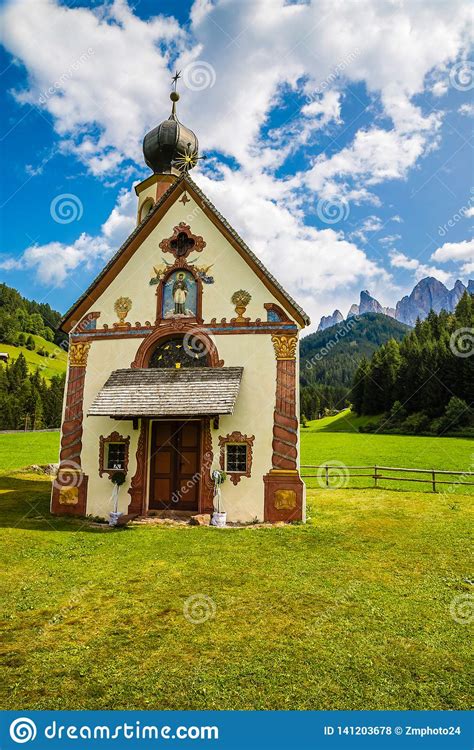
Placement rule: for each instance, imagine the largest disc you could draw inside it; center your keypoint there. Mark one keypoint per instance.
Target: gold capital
(285, 346)
(78, 354)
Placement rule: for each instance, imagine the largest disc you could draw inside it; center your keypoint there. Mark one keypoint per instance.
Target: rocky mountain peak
(330, 320)
(368, 303)
(428, 294)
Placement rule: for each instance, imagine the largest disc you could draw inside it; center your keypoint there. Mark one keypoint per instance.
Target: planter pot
(113, 518)
(219, 519)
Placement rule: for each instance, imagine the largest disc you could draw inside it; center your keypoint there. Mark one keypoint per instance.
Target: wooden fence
(377, 473)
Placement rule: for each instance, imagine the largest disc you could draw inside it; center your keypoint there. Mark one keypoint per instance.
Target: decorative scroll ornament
(78, 352)
(285, 346)
(122, 307)
(240, 300)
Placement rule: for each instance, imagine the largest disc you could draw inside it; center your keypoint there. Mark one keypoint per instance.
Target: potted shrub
(219, 517)
(117, 479)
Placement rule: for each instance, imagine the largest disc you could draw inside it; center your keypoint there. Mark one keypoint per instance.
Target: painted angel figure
(180, 292)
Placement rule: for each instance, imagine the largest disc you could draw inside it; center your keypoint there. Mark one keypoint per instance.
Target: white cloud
(109, 72)
(109, 69)
(466, 109)
(92, 68)
(324, 109)
(421, 270)
(440, 88)
(374, 156)
(10, 264)
(54, 262)
(390, 239)
(457, 252)
(400, 260)
(367, 226)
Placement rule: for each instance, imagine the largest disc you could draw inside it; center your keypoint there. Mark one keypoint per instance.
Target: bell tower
(170, 150)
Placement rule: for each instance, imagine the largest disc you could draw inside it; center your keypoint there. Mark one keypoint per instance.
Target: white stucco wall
(229, 270)
(255, 404)
(253, 416)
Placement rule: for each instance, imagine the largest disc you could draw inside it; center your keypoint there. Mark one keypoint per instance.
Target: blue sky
(339, 144)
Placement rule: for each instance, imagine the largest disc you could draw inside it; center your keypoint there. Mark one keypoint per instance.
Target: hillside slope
(331, 356)
(53, 364)
(329, 359)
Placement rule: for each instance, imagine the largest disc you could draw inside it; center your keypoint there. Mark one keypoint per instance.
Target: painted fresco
(180, 295)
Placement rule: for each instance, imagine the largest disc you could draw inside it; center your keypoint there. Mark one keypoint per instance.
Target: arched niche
(179, 295)
(145, 209)
(179, 351)
(197, 339)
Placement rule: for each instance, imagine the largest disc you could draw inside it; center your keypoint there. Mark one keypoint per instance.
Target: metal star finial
(187, 159)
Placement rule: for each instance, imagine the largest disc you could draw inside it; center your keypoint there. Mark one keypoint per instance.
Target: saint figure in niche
(180, 292)
(180, 295)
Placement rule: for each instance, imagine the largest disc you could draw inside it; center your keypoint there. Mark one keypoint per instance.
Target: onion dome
(171, 147)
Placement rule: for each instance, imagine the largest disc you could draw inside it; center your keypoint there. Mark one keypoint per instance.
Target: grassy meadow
(334, 439)
(362, 607)
(20, 449)
(351, 611)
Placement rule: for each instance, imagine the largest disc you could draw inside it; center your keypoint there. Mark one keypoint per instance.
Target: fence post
(375, 475)
(433, 476)
(327, 476)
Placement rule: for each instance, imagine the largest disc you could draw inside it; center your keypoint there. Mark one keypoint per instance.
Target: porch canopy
(163, 392)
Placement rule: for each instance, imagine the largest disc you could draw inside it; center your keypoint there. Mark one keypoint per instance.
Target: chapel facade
(183, 359)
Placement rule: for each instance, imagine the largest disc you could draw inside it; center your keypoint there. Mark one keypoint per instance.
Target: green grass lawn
(48, 366)
(350, 611)
(21, 449)
(336, 439)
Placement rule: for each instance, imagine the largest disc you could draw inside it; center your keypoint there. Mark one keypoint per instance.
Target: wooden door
(175, 466)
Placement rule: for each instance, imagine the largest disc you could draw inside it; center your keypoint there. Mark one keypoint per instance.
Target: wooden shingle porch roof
(166, 392)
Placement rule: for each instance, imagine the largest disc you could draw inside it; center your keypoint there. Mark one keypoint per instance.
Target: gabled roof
(133, 242)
